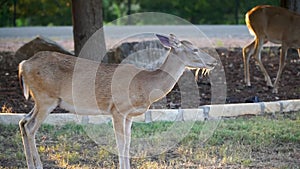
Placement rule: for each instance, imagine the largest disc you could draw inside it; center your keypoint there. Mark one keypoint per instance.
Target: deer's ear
(187, 43)
(164, 40)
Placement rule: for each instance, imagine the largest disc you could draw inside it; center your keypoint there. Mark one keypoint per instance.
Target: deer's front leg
(119, 128)
(257, 55)
(128, 124)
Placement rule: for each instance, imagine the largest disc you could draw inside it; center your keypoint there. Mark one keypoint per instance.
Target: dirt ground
(12, 99)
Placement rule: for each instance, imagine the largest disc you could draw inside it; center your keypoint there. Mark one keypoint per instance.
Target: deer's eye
(195, 50)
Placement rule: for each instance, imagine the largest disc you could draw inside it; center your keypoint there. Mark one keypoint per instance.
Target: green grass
(259, 142)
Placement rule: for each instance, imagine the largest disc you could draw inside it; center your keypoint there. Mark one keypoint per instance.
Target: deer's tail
(247, 20)
(23, 85)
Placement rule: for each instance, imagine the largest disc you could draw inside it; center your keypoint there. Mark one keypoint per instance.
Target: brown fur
(274, 24)
(89, 88)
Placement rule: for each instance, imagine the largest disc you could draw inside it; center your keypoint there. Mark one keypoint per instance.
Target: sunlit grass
(244, 142)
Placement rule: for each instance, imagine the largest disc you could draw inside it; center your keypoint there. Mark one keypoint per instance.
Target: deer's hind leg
(282, 64)
(247, 53)
(29, 125)
(27, 149)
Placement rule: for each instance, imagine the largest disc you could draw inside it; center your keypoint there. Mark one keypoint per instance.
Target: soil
(12, 99)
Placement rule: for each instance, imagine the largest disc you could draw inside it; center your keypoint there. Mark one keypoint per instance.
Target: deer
(120, 90)
(277, 25)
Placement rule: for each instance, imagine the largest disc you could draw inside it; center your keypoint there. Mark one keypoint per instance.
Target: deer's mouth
(205, 69)
(204, 72)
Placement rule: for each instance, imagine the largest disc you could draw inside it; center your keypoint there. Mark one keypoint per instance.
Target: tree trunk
(293, 5)
(88, 34)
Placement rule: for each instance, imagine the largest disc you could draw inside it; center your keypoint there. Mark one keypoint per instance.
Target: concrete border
(200, 114)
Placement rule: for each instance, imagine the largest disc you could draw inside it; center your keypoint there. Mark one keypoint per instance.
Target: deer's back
(73, 79)
(275, 23)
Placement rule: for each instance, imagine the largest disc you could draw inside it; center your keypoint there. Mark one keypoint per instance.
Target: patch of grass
(257, 142)
(142, 130)
(219, 43)
(11, 148)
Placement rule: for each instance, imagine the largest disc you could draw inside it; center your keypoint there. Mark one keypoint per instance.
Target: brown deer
(274, 24)
(86, 87)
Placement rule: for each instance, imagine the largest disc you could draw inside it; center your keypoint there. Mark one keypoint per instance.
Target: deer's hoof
(275, 91)
(249, 87)
(270, 85)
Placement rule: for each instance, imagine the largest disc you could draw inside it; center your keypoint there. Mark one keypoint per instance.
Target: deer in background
(274, 24)
(122, 91)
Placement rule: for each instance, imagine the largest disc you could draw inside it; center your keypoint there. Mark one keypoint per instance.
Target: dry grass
(255, 142)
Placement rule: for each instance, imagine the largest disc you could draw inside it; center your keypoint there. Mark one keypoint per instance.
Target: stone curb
(200, 114)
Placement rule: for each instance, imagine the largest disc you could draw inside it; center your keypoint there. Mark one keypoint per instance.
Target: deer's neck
(164, 79)
(174, 68)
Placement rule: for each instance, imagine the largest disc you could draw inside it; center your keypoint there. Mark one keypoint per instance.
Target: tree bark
(87, 27)
(293, 5)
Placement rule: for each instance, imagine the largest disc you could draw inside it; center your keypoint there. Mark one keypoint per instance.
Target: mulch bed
(12, 99)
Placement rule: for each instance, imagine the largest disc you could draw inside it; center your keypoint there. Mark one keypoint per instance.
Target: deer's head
(191, 56)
